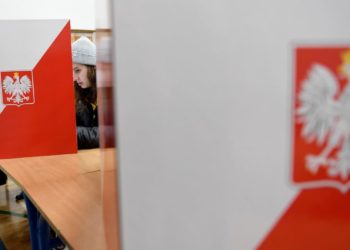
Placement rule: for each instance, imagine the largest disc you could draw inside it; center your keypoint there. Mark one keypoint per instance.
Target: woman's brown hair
(88, 95)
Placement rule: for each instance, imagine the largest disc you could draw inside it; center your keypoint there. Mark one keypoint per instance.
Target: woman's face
(80, 75)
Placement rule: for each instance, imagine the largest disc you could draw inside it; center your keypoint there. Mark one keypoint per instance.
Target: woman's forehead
(78, 66)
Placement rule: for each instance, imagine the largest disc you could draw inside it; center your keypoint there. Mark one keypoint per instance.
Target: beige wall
(80, 12)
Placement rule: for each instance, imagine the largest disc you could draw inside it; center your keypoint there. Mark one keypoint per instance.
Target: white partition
(204, 91)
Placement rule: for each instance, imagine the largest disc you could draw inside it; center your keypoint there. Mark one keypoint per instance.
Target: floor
(14, 229)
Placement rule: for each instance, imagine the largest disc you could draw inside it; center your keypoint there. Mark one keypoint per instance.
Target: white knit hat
(84, 51)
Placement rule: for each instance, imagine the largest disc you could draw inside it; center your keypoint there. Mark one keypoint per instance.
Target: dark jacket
(3, 179)
(87, 126)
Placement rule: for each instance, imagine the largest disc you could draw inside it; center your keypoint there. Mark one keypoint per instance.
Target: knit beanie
(84, 51)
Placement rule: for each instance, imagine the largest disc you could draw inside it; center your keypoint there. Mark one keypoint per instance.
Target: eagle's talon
(313, 163)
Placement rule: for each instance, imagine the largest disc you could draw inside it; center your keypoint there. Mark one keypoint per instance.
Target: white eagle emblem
(324, 112)
(17, 88)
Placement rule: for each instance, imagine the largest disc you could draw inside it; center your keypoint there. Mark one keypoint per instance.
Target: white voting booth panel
(205, 125)
(37, 115)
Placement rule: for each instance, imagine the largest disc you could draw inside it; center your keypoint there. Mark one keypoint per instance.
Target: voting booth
(233, 120)
(37, 115)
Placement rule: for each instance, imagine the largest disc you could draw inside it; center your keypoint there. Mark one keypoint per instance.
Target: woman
(84, 76)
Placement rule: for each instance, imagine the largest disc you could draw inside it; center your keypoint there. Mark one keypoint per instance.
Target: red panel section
(318, 219)
(47, 126)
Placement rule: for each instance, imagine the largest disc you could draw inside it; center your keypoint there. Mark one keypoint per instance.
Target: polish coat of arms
(17, 88)
(321, 153)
